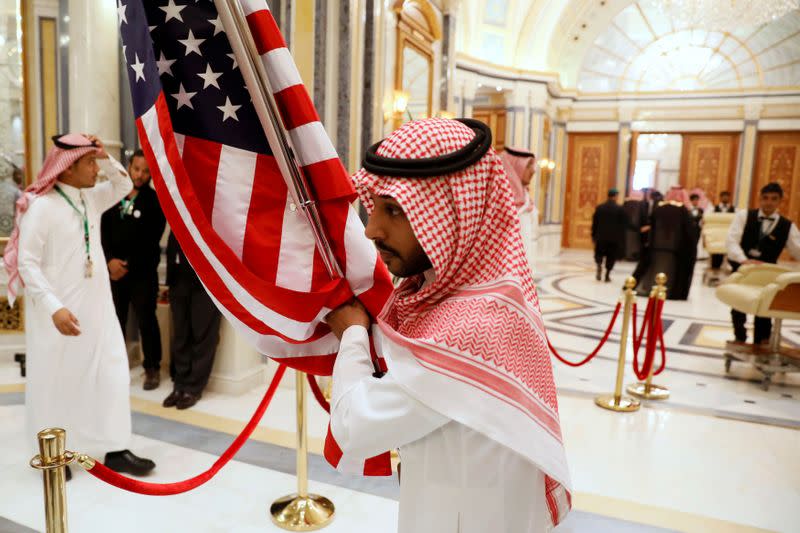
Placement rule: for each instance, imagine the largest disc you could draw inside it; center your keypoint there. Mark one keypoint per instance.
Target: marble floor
(720, 455)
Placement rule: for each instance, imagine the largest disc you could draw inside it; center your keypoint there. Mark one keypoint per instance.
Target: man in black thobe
(195, 325)
(131, 234)
(759, 236)
(608, 233)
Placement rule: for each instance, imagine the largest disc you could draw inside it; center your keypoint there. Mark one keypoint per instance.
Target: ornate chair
(767, 291)
(715, 232)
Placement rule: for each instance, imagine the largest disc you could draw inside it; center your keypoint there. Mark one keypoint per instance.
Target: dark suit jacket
(718, 209)
(609, 223)
(178, 267)
(135, 237)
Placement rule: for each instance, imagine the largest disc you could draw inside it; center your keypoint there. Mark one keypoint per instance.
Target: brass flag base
(298, 513)
(648, 392)
(624, 405)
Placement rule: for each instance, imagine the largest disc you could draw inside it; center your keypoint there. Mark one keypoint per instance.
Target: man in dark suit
(724, 205)
(608, 231)
(195, 324)
(759, 236)
(131, 234)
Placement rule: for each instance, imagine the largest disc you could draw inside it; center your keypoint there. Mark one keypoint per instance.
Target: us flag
(221, 188)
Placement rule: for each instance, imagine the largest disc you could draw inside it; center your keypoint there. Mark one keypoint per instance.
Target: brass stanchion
(51, 460)
(648, 390)
(616, 401)
(302, 511)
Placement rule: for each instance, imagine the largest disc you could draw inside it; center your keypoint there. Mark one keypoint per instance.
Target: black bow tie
(762, 219)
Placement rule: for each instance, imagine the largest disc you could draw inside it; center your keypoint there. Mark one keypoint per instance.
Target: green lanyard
(127, 206)
(85, 217)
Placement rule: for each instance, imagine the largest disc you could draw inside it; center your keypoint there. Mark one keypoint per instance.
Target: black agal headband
(428, 167)
(66, 146)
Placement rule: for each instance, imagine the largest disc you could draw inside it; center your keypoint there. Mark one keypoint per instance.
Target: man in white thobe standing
(469, 397)
(78, 377)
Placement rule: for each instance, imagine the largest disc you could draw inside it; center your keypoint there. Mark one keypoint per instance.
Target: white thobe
(81, 384)
(454, 479)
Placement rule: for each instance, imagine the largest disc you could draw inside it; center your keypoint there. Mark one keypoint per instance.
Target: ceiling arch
(610, 46)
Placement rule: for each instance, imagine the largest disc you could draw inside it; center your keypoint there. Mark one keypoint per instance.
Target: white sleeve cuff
(51, 304)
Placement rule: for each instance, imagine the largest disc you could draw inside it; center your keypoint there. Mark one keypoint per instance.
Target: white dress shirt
(734, 240)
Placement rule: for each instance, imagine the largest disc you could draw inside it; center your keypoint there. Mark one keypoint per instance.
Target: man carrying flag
(469, 396)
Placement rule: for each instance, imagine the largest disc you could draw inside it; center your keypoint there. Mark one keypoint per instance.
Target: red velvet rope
(596, 350)
(637, 339)
(315, 390)
(100, 471)
(650, 347)
(663, 347)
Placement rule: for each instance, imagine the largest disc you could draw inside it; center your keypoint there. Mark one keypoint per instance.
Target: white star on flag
(173, 11)
(138, 68)
(217, 23)
(229, 110)
(184, 98)
(233, 58)
(164, 65)
(210, 77)
(123, 18)
(192, 44)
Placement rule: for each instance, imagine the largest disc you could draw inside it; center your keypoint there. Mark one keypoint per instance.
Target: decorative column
(623, 157)
(94, 71)
(747, 155)
(559, 155)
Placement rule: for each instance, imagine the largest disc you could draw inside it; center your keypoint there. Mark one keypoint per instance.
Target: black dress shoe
(172, 399)
(152, 379)
(67, 473)
(187, 400)
(126, 462)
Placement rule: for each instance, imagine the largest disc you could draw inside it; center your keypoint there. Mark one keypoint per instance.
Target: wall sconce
(400, 103)
(399, 108)
(547, 164)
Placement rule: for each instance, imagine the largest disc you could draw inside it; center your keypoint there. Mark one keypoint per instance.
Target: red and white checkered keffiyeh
(515, 166)
(479, 321)
(57, 161)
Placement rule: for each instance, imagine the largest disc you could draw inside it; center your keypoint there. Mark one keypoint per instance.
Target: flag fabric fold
(221, 189)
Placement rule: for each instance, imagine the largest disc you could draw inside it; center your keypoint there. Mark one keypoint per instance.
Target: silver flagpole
(255, 76)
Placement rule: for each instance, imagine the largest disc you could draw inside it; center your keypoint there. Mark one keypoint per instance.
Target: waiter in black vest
(131, 234)
(759, 236)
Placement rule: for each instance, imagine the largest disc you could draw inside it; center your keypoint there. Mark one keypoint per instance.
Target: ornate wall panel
(496, 119)
(778, 159)
(708, 162)
(591, 171)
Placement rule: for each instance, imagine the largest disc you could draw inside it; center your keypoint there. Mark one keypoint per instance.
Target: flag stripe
(321, 174)
(265, 31)
(312, 144)
(253, 6)
(201, 158)
(296, 107)
(262, 239)
(234, 187)
(296, 261)
(281, 70)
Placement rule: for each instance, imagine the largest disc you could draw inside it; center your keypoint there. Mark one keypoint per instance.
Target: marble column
(320, 54)
(448, 61)
(747, 155)
(558, 182)
(94, 71)
(343, 102)
(368, 106)
(623, 157)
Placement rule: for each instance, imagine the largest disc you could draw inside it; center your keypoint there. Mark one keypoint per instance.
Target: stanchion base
(625, 404)
(656, 392)
(296, 513)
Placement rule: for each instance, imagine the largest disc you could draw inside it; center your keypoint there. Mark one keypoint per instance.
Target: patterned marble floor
(720, 455)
